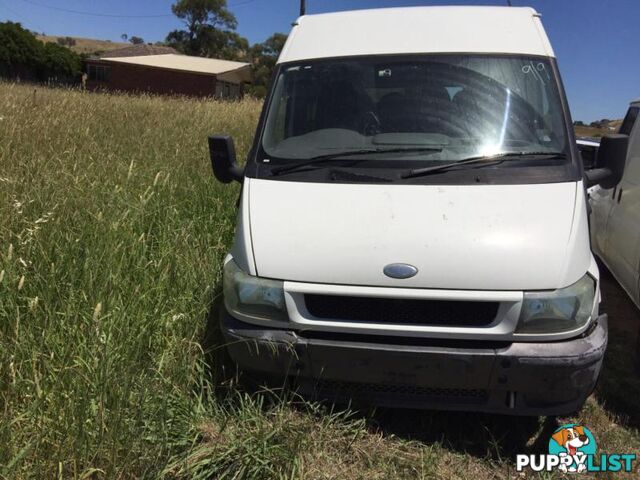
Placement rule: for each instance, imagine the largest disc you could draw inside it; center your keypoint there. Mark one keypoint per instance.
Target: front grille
(401, 310)
(355, 389)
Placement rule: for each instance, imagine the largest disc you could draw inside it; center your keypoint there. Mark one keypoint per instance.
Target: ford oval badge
(400, 270)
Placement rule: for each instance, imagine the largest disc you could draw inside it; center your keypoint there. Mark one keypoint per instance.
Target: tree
(263, 60)
(210, 30)
(24, 56)
(66, 41)
(136, 40)
(20, 51)
(199, 13)
(58, 62)
(273, 45)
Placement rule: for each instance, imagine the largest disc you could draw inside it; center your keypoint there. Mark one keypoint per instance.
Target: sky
(596, 42)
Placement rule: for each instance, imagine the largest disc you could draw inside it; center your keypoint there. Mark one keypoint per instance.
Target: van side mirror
(612, 155)
(223, 159)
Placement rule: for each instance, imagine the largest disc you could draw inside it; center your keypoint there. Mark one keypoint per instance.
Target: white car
(412, 227)
(615, 217)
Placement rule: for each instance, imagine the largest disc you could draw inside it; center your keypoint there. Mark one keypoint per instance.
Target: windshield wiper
(481, 159)
(317, 161)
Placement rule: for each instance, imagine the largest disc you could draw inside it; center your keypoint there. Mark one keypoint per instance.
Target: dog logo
(572, 449)
(574, 443)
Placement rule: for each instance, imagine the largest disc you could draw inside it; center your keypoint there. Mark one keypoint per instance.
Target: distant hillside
(86, 45)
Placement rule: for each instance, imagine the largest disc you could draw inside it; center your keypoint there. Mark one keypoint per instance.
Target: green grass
(112, 233)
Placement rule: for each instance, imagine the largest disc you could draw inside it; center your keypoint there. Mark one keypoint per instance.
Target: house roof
(416, 30)
(138, 51)
(234, 72)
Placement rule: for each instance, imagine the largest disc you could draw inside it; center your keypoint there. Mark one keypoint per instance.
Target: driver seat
(341, 105)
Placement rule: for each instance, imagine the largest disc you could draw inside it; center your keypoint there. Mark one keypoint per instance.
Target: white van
(412, 225)
(615, 217)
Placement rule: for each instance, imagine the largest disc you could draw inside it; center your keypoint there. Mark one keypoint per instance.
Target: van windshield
(461, 105)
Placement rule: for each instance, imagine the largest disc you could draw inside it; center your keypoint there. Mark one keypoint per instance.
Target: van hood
(479, 237)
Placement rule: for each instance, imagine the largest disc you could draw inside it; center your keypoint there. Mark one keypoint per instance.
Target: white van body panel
(242, 250)
(601, 202)
(417, 30)
(615, 220)
(462, 237)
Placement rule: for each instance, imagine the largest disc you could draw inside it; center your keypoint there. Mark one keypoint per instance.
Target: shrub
(57, 62)
(66, 41)
(20, 51)
(24, 56)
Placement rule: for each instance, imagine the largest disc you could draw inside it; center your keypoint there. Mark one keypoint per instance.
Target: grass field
(112, 232)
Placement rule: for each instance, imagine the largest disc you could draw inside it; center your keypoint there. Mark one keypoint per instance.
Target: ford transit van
(412, 225)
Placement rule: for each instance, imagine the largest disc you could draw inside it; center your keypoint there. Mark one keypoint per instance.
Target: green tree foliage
(263, 59)
(66, 41)
(24, 56)
(59, 62)
(136, 40)
(198, 13)
(20, 51)
(210, 30)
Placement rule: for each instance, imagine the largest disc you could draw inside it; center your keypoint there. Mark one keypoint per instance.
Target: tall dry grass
(111, 236)
(112, 233)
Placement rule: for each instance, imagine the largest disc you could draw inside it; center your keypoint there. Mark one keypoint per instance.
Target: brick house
(160, 70)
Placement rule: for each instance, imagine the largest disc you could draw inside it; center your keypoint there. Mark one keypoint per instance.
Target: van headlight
(560, 310)
(253, 296)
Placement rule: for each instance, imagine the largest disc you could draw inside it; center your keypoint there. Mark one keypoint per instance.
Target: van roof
(412, 30)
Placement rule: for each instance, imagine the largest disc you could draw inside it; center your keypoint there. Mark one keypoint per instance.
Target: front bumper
(552, 378)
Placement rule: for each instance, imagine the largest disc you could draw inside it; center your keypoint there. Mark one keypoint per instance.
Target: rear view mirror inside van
(223, 159)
